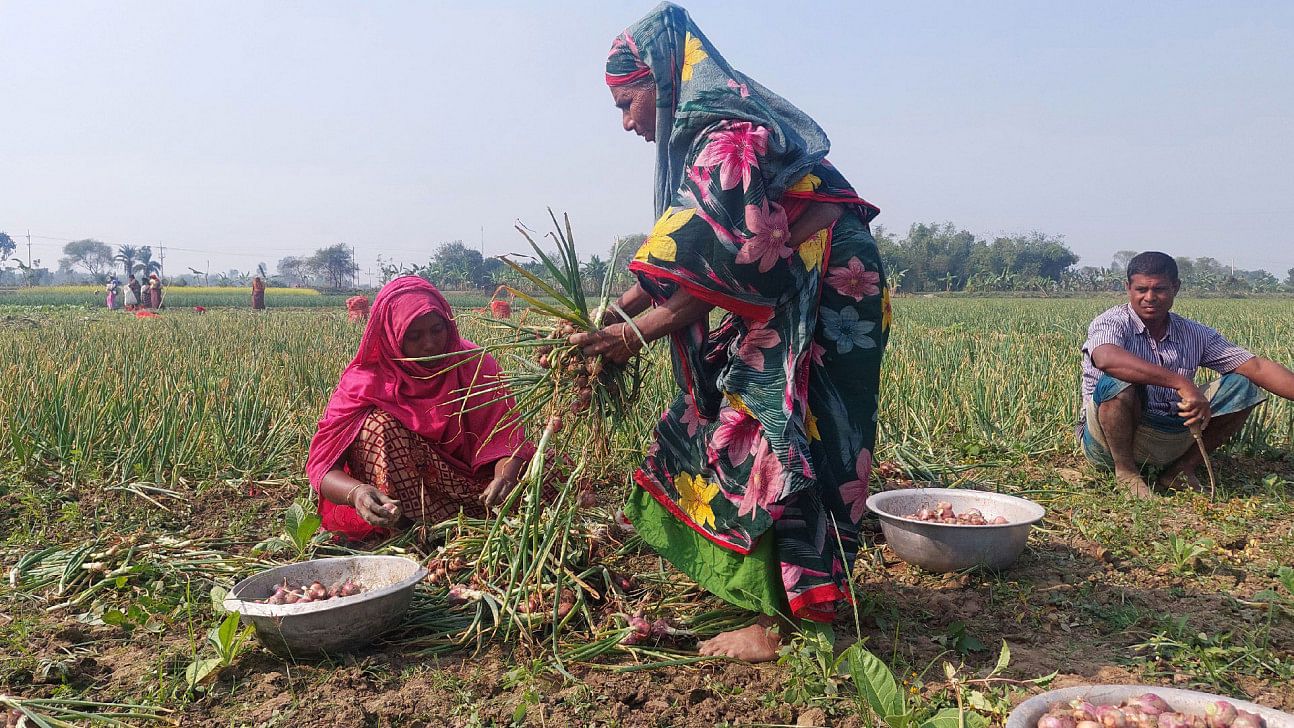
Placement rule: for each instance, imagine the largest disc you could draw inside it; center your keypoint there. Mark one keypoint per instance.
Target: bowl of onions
(1141, 706)
(944, 529)
(325, 606)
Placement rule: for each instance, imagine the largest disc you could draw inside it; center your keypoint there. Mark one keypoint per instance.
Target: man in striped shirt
(1140, 401)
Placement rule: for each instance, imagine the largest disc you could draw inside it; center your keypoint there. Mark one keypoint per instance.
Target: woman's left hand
(617, 343)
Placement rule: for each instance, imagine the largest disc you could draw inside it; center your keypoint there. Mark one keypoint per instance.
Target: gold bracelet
(351, 492)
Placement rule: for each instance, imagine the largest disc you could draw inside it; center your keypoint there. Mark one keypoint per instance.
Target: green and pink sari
(756, 479)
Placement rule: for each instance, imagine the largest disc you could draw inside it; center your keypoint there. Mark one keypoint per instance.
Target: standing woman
(133, 293)
(258, 294)
(756, 480)
(113, 286)
(154, 291)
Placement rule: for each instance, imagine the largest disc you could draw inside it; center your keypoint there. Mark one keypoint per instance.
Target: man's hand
(618, 343)
(375, 507)
(1194, 405)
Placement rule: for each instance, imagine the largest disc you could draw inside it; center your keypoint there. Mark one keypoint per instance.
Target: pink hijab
(425, 397)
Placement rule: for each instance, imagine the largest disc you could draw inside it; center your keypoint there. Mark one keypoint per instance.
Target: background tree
(7, 246)
(334, 264)
(90, 255)
(454, 265)
(594, 271)
(1121, 260)
(144, 263)
(126, 255)
(293, 271)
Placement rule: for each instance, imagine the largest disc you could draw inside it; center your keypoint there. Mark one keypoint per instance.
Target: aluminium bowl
(1026, 714)
(945, 547)
(330, 626)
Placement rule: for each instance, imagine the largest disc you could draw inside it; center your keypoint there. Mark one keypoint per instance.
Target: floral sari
(768, 446)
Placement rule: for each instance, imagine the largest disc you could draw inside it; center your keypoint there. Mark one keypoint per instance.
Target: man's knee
(1234, 394)
(1126, 401)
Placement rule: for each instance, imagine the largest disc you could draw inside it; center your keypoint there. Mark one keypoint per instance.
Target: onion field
(148, 464)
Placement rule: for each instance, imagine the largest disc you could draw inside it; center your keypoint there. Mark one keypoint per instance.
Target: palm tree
(594, 271)
(126, 255)
(144, 262)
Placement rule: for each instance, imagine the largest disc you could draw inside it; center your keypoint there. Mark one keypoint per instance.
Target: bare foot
(1134, 484)
(756, 643)
(1181, 480)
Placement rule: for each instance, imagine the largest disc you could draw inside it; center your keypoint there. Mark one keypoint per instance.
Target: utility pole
(162, 253)
(482, 241)
(29, 247)
(354, 268)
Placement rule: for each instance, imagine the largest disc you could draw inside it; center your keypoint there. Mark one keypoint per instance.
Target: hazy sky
(243, 132)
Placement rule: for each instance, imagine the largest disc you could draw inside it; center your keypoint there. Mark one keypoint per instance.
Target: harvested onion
(943, 513)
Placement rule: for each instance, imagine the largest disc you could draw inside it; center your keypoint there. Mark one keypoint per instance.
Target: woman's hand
(497, 492)
(375, 507)
(505, 479)
(617, 343)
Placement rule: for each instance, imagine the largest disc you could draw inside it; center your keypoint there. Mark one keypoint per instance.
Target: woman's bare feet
(757, 643)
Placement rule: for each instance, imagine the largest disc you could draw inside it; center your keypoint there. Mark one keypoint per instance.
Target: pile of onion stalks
(71, 713)
(70, 576)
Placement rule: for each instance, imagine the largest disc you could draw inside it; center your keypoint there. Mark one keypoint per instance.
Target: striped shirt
(1187, 346)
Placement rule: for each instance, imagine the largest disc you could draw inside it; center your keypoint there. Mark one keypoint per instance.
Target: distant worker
(357, 309)
(154, 292)
(113, 287)
(1140, 399)
(258, 294)
(133, 293)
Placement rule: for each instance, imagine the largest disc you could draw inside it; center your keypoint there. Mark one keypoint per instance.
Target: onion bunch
(943, 513)
(1146, 711)
(315, 591)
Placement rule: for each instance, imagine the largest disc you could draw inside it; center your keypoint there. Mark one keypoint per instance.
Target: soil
(1075, 604)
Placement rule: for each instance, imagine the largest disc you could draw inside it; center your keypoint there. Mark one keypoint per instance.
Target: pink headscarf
(426, 397)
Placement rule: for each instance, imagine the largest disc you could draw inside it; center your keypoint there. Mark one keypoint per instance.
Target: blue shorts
(1160, 439)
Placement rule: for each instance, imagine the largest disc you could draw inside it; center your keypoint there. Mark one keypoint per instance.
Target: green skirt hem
(750, 581)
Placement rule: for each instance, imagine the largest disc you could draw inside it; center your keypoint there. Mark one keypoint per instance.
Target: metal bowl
(340, 624)
(1026, 714)
(943, 547)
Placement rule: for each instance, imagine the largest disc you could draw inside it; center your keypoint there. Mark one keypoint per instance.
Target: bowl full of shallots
(1141, 706)
(325, 606)
(950, 529)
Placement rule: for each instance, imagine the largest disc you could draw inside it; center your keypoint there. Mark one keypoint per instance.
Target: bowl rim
(249, 608)
(875, 500)
(1017, 715)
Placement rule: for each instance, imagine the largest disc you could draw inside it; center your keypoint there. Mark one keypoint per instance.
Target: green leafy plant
(879, 694)
(300, 533)
(1185, 556)
(133, 617)
(956, 638)
(1285, 575)
(812, 666)
(229, 641)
